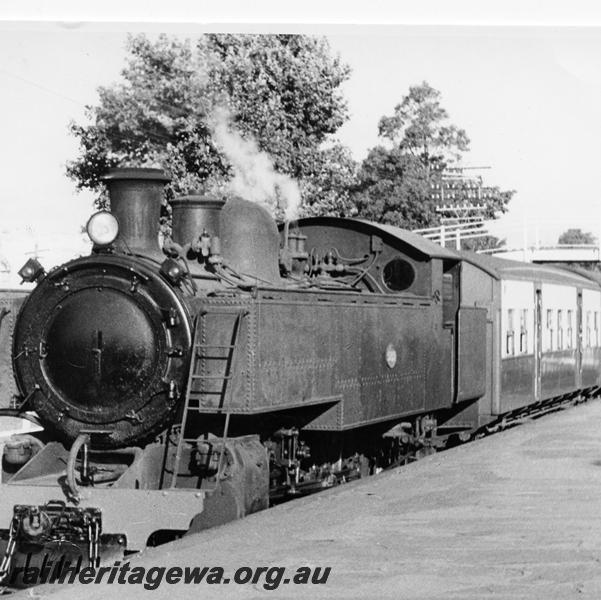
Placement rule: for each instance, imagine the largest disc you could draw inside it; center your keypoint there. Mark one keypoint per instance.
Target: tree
(418, 126)
(395, 183)
(486, 242)
(280, 93)
(576, 236)
(328, 186)
(392, 186)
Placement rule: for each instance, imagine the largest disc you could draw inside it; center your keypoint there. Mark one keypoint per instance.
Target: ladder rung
(195, 396)
(229, 346)
(196, 440)
(225, 311)
(199, 408)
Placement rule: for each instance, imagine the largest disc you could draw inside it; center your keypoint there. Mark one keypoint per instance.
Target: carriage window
(588, 328)
(550, 329)
(560, 329)
(447, 287)
(398, 275)
(596, 325)
(569, 338)
(510, 341)
(524, 331)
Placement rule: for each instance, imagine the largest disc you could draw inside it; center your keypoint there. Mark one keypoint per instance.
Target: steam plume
(255, 177)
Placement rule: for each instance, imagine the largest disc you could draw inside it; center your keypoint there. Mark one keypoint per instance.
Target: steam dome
(250, 240)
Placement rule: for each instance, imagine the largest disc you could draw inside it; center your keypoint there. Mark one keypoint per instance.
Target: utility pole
(37, 250)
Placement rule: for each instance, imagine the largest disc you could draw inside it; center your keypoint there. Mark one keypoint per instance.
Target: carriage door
(467, 327)
(579, 340)
(538, 350)
(450, 304)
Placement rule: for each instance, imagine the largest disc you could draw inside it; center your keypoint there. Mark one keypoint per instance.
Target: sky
(528, 97)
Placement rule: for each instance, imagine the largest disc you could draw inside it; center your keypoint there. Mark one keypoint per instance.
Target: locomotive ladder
(201, 353)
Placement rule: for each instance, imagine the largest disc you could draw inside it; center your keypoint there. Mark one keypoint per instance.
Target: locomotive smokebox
(194, 214)
(136, 196)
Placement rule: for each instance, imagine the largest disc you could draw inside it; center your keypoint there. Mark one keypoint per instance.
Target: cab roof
(422, 245)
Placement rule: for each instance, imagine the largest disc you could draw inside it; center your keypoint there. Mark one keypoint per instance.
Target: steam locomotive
(241, 364)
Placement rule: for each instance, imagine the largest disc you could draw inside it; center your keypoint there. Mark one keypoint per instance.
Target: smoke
(255, 177)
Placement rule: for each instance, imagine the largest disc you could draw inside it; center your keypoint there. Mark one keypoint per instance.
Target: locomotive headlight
(31, 271)
(102, 228)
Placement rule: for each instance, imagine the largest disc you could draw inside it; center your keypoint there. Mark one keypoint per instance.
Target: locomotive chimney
(191, 215)
(136, 196)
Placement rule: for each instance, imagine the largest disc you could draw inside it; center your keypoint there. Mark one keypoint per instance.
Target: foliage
(392, 187)
(418, 126)
(328, 187)
(486, 242)
(396, 182)
(281, 90)
(576, 236)
(281, 94)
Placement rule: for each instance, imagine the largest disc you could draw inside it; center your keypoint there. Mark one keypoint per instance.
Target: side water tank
(250, 241)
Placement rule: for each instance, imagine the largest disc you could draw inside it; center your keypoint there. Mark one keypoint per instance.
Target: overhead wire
(43, 87)
(152, 135)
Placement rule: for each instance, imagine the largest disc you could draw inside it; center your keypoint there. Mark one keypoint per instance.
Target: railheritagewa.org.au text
(122, 573)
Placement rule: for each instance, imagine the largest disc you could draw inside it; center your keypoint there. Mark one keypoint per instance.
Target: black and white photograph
(300, 305)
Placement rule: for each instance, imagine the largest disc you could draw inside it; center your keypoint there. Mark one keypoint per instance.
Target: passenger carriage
(542, 333)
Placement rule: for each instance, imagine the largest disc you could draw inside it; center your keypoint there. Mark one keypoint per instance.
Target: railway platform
(513, 515)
